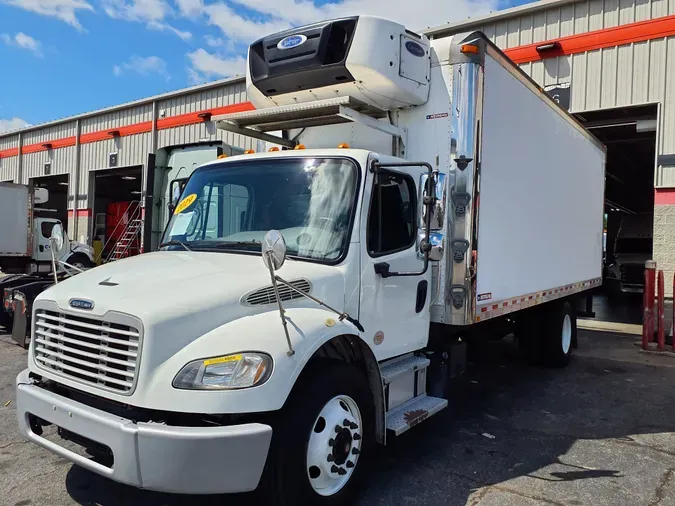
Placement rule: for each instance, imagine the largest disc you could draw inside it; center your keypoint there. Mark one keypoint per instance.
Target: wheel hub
(334, 445)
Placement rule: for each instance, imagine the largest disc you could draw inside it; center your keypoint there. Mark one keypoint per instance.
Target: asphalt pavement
(600, 432)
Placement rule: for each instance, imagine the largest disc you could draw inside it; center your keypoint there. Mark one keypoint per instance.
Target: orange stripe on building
(6, 153)
(192, 118)
(598, 39)
(124, 131)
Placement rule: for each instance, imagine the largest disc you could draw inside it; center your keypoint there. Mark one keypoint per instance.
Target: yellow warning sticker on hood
(185, 203)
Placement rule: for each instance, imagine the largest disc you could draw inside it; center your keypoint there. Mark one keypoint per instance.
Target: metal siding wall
(199, 101)
(49, 133)
(9, 166)
(218, 97)
(131, 150)
(117, 119)
(572, 19)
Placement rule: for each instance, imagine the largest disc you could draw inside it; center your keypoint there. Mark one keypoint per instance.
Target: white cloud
(23, 41)
(238, 28)
(154, 25)
(65, 10)
(7, 125)
(137, 10)
(207, 66)
(190, 8)
(144, 66)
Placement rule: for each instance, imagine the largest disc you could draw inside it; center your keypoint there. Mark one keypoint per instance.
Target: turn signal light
(299, 146)
(343, 145)
(249, 152)
(469, 48)
(222, 156)
(275, 148)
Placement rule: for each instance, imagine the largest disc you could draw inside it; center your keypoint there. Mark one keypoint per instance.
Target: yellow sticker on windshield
(220, 360)
(185, 203)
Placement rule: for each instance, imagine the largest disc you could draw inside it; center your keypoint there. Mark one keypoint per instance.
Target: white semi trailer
(430, 188)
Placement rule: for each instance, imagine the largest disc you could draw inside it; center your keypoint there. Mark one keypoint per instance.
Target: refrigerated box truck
(315, 299)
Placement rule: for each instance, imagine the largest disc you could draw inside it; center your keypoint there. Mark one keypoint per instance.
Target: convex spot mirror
(274, 250)
(57, 237)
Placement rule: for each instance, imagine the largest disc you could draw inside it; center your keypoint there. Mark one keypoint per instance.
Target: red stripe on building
(6, 153)
(664, 197)
(607, 37)
(124, 131)
(81, 213)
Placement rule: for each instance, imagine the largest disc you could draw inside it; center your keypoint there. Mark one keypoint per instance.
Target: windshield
(230, 207)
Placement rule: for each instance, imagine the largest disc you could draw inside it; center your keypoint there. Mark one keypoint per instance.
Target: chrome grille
(266, 295)
(90, 350)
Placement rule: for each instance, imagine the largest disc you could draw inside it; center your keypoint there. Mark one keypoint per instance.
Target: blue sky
(63, 57)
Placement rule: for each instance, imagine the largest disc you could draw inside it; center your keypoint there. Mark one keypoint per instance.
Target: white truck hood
(168, 289)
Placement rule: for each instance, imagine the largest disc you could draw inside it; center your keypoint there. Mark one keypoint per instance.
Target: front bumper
(153, 456)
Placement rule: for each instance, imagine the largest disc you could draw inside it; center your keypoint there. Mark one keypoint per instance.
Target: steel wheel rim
(334, 445)
(566, 334)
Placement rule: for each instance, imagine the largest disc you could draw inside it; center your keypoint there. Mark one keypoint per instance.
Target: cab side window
(391, 220)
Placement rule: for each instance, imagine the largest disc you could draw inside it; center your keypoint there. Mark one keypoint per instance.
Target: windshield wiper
(176, 242)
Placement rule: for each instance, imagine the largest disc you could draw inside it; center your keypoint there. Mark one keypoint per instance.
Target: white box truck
(415, 194)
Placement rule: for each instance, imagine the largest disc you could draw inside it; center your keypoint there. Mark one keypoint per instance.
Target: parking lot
(600, 432)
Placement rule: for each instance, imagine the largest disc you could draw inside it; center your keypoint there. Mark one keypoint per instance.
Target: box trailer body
(15, 220)
(413, 195)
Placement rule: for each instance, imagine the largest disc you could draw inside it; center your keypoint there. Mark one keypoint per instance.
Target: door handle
(421, 295)
(41, 248)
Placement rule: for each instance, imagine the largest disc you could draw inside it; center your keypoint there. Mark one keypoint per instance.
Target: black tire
(285, 481)
(560, 334)
(80, 259)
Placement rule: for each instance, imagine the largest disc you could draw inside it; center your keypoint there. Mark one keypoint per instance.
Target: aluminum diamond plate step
(414, 412)
(400, 366)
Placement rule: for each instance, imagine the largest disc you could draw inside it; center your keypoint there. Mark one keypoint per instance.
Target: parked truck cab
(312, 300)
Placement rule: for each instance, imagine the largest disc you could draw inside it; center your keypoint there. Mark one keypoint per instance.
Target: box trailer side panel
(14, 220)
(540, 213)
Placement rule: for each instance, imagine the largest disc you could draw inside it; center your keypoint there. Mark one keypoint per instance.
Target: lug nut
(353, 426)
(355, 451)
(342, 471)
(346, 423)
(357, 437)
(338, 428)
(331, 442)
(349, 464)
(334, 469)
(330, 458)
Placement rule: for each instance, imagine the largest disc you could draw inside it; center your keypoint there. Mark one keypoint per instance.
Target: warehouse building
(610, 62)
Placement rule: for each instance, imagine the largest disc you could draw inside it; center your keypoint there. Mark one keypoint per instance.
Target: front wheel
(321, 439)
(560, 335)
(80, 260)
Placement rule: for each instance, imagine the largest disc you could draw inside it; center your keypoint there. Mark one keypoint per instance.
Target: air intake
(266, 295)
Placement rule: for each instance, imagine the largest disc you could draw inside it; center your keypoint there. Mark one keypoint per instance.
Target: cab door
(394, 309)
(42, 247)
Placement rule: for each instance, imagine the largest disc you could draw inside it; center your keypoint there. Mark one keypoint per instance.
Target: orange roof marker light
(343, 145)
(222, 156)
(249, 152)
(275, 148)
(299, 146)
(469, 48)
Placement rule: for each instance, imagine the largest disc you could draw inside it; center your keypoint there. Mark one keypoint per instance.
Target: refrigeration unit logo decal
(292, 41)
(437, 115)
(415, 49)
(484, 296)
(81, 304)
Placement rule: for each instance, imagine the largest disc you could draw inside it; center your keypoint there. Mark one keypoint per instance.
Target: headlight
(228, 372)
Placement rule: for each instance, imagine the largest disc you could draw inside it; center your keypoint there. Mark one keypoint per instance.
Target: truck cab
(73, 252)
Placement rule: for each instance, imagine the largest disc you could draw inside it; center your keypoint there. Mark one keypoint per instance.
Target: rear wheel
(560, 334)
(321, 439)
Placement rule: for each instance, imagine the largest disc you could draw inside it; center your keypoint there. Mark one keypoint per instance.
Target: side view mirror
(56, 237)
(431, 187)
(273, 250)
